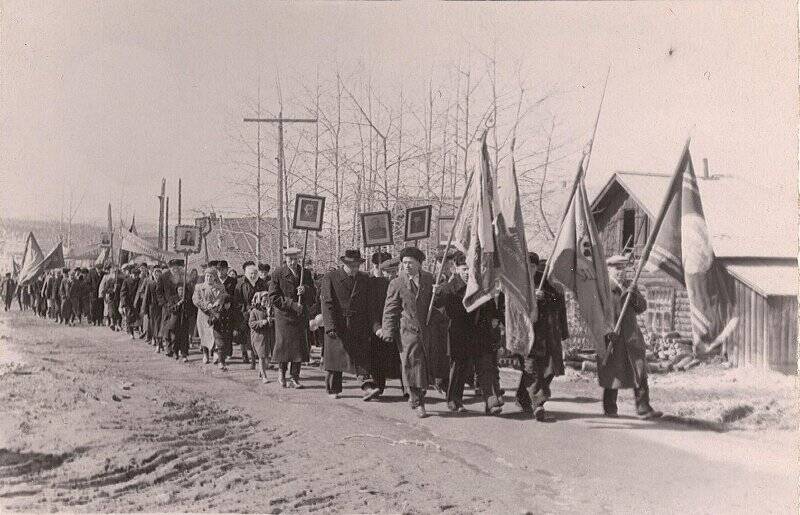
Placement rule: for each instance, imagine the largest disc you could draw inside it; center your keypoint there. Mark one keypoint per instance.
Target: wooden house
(754, 234)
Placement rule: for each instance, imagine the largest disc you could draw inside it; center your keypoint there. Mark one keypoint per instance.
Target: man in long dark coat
(249, 284)
(470, 342)
(344, 297)
(438, 362)
(384, 356)
(127, 300)
(173, 323)
(95, 303)
(8, 286)
(152, 304)
(405, 312)
(291, 301)
(625, 366)
(545, 359)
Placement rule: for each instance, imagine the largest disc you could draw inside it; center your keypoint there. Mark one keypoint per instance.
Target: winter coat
(383, 352)
(345, 310)
(629, 348)
(468, 334)
(550, 328)
(406, 314)
(291, 316)
(262, 331)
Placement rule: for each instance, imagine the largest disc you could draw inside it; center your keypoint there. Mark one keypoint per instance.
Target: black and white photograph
(187, 238)
(376, 229)
(308, 212)
(418, 223)
(399, 257)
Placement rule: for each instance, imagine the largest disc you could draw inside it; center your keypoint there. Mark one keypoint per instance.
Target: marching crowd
(374, 324)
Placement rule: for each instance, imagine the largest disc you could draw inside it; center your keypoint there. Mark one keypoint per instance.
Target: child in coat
(261, 332)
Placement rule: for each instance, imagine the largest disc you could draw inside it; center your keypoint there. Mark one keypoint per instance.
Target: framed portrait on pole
(187, 239)
(443, 229)
(308, 212)
(418, 223)
(376, 229)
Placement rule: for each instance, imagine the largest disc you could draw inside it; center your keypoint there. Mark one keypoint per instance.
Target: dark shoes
(646, 412)
(373, 393)
(542, 416)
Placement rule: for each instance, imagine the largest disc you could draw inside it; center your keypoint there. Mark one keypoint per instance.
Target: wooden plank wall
(766, 335)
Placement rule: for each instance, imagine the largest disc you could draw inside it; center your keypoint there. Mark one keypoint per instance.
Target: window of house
(628, 229)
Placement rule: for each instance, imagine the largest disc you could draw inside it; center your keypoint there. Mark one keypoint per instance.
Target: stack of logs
(668, 354)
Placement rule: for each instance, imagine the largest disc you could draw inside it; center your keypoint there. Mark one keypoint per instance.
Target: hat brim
(344, 259)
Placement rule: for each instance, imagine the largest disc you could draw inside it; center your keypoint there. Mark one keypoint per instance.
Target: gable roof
(744, 220)
(767, 277)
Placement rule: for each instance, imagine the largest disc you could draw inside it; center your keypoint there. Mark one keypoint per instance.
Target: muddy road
(91, 420)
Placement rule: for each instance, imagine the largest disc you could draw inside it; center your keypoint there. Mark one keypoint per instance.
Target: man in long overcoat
(127, 299)
(8, 287)
(344, 298)
(152, 304)
(291, 301)
(470, 342)
(173, 327)
(438, 362)
(625, 365)
(384, 356)
(545, 359)
(406, 312)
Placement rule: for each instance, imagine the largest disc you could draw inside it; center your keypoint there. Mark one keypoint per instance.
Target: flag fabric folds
(124, 255)
(683, 250)
(54, 259)
(512, 252)
(31, 258)
(135, 244)
(474, 236)
(586, 277)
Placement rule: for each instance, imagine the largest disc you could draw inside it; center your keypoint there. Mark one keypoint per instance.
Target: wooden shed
(753, 231)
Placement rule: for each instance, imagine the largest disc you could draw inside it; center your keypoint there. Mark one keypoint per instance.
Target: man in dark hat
(8, 287)
(385, 357)
(173, 326)
(249, 284)
(470, 342)
(291, 300)
(227, 281)
(344, 298)
(407, 298)
(153, 304)
(625, 366)
(545, 359)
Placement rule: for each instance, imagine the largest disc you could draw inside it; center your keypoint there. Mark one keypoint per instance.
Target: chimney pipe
(705, 168)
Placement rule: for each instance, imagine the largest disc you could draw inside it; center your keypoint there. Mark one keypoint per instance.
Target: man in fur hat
(405, 313)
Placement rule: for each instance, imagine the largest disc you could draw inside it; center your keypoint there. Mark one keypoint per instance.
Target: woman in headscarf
(207, 297)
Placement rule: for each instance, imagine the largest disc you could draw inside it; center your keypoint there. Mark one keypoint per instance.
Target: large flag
(683, 250)
(135, 244)
(14, 268)
(31, 258)
(474, 236)
(54, 259)
(512, 252)
(124, 255)
(102, 258)
(586, 277)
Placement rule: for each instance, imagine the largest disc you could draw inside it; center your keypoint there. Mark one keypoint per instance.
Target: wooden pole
(450, 241)
(677, 176)
(303, 265)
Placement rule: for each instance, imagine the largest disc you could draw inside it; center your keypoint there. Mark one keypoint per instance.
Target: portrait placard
(308, 212)
(376, 229)
(187, 239)
(444, 227)
(418, 223)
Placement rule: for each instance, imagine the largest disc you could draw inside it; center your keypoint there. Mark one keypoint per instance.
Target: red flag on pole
(474, 236)
(585, 276)
(512, 252)
(683, 250)
(55, 259)
(32, 256)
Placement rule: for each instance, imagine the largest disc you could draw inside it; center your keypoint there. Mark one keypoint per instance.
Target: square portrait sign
(445, 226)
(418, 223)
(187, 239)
(308, 212)
(376, 229)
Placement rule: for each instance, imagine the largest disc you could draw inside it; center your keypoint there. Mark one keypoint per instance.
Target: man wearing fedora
(344, 297)
(405, 313)
(291, 300)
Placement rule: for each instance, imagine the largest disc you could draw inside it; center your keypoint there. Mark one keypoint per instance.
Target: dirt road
(93, 421)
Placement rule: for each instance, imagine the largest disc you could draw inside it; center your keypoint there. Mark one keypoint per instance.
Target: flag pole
(450, 241)
(581, 172)
(678, 175)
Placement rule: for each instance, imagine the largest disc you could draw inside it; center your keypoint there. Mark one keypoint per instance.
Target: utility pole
(179, 201)
(280, 120)
(161, 214)
(166, 225)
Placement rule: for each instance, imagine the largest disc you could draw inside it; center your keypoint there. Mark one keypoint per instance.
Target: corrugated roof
(744, 220)
(767, 278)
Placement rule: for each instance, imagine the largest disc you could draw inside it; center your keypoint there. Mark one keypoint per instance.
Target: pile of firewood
(664, 354)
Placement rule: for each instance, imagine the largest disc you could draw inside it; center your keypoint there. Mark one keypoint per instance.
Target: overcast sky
(109, 97)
